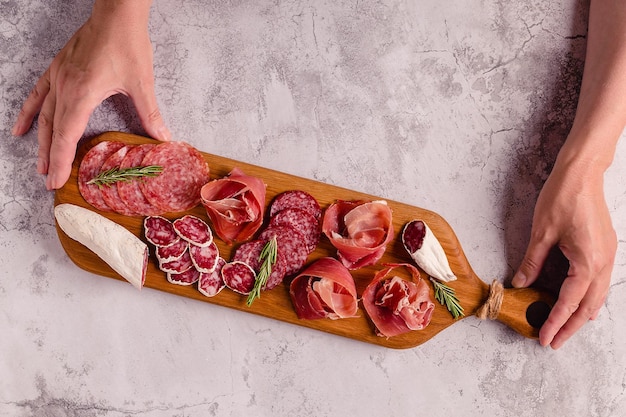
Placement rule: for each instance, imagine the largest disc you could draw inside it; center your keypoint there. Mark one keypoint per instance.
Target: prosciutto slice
(359, 230)
(235, 205)
(325, 289)
(395, 305)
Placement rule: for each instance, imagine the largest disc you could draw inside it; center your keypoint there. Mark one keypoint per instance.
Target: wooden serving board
(471, 290)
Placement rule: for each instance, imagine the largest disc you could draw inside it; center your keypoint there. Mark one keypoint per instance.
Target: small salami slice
(291, 246)
(303, 221)
(159, 231)
(177, 187)
(250, 252)
(211, 283)
(172, 252)
(204, 258)
(178, 266)
(109, 192)
(296, 199)
(194, 230)
(188, 277)
(90, 167)
(239, 277)
(129, 191)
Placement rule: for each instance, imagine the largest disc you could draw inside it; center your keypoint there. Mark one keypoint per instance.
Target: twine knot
(491, 308)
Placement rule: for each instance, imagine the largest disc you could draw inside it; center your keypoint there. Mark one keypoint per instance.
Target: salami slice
(204, 258)
(239, 277)
(129, 191)
(296, 199)
(194, 230)
(211, 283)
(291, 246)
(250, 252)
(301, 220)
(172, 252)
(89, 167)
(178, 266)
(109, 192)
(159, 231)
(188, 277)
(177, 187)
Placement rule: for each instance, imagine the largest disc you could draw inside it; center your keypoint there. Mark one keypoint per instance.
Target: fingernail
(518, 280)
(41, 166)
(164, 134)
(51, 182)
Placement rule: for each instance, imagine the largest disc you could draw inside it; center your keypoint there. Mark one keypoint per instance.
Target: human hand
(106, 56)
(571, 212)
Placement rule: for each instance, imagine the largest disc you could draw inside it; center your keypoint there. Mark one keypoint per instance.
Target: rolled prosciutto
(395, 305)
(359, 230)
(325, 289)
(235, 205)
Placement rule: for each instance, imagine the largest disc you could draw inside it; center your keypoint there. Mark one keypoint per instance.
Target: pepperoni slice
(91, 166)
(301, 220)
(109, 192)
(129, 191)
(296, 199)
(159, 231)
(211, 283)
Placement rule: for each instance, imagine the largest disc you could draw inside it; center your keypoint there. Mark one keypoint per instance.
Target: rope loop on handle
(491, 308)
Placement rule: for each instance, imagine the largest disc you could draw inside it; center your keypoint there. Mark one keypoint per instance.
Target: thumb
(149, 114)
(530, 267)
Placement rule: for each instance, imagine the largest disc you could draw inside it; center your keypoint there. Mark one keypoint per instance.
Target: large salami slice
(178, 186)
(250, 252)
(109, 192)
(291, 247)
(91, 166)
(301, 220)
(296, 199)
(129, 191)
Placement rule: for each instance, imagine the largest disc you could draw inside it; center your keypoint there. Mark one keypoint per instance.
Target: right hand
(103, 58)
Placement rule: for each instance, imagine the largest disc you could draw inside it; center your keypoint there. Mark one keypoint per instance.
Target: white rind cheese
(113, 243)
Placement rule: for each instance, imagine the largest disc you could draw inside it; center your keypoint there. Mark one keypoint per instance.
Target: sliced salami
(172, 252)
(177, 187)
(159, 231)
(239, 277)
(211, 283)
(129, 191)
(89, 167)
(204, 258)
(188, 277)
(194, 230)
(178, 266)
(109, 192)
(291, 246)
(296, 199)
(301, 220)
(250, 253)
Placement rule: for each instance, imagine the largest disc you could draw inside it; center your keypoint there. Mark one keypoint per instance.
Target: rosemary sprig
(447, 297)
(268, 256)
(113, 175)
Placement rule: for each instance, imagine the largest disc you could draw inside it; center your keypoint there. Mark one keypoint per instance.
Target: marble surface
(458, 107)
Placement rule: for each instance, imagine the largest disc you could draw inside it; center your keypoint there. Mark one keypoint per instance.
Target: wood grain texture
(276, 304)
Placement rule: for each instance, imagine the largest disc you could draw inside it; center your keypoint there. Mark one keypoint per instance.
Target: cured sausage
(235, 205)
(171, 252)
(302, 221)
(291, 247)
(129, 191)
(211, 283)
(395, 305)
(250, 254)
(239, 277)
(177, 187)
(89, 167)
(427, 252)
(187, 277)
(204, 258)
(110, 194)
(179, 265)
(325, 289)
(296, 199)
(194, 230)
(160, 231)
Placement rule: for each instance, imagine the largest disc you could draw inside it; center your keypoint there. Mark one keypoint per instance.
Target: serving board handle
(525, 310)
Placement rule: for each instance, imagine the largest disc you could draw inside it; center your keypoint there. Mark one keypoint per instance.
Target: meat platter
(515, 310)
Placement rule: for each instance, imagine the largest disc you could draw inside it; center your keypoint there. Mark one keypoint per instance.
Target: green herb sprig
(447, 297)
(268, 255)
(114, 175)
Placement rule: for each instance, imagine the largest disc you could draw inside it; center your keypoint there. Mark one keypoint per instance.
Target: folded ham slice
(235, 205)
(359, 230)
(395, 305)
(325, 289)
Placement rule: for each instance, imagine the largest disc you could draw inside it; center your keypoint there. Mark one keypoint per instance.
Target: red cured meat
(177, 187)
(250, 252)
(235, 205)
(159, 231)
(109, 192)
(211, 283)
(325, 289)
(397, 306)
(194, 230)
(129, 191)
(304, 222)
(91, 166)
(188, 277)
(296, 199)
(291, 246)
(204, 258)
(359, 230)
(171, 252)
(178, 266)
(239, 277)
